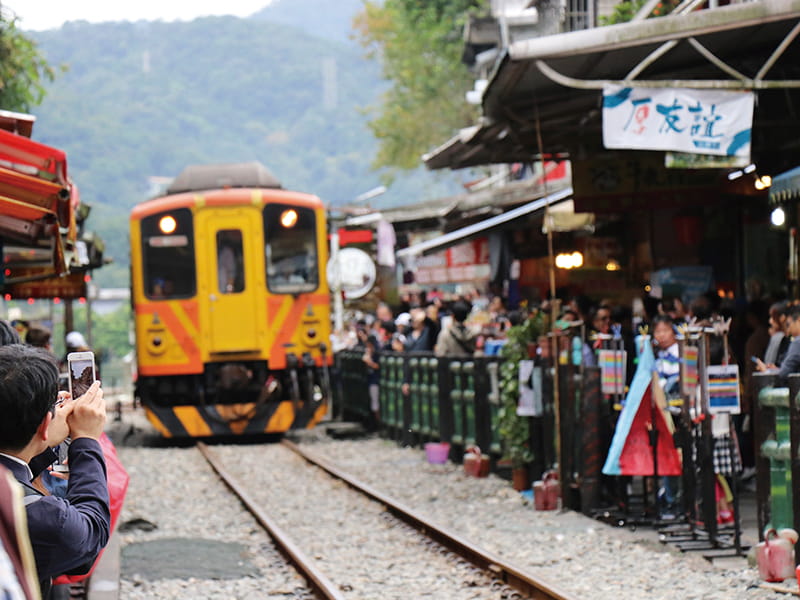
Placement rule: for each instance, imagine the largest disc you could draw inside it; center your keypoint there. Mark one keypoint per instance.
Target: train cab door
(229, 284)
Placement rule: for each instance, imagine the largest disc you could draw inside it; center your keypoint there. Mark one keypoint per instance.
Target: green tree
(419, 44)
(23, 70)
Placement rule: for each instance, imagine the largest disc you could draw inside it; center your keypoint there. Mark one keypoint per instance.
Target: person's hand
(762, 367)
(406, 389)
(58, 430)
(58, 474)
(88, 417)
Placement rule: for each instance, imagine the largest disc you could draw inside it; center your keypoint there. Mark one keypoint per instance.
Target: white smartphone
(81, 372)
(62, 450)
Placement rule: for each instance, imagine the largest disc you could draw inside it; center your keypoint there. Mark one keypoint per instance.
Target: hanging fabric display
(631, 451)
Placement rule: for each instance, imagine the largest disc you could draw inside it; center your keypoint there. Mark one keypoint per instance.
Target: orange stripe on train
(287, 329)
(183, 338)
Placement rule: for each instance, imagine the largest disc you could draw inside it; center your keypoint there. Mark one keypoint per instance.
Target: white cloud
(37, 15)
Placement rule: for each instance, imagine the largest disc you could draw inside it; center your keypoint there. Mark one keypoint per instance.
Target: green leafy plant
(625, 11)
(514, 430)
(24, 72)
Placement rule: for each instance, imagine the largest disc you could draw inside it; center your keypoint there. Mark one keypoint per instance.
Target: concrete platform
(104, 582)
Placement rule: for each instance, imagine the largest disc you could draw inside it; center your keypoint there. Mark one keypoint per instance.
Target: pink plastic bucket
(437, 452)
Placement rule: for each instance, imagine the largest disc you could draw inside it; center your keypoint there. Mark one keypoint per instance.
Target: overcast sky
(37, 15)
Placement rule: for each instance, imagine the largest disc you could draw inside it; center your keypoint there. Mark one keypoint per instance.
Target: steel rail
(317, 581)
(513, 576)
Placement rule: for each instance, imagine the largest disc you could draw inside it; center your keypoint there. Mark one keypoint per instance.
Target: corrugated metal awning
(551, 81)
(460, 235)
(785, 187)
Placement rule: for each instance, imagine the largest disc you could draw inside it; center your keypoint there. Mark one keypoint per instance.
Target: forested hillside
(317, 17)
(145, 99)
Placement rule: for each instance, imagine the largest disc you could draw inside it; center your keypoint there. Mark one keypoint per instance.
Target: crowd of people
(755, 333)
(48, 530)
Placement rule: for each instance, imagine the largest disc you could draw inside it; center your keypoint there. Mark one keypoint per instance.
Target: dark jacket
(68, 533)
(791, 362)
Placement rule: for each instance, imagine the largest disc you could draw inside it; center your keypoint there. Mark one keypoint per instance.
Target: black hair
(779, 309)
(460, 310)
(8, 335)
(584, 305)
(759, 310)
(28, 390)
(620, 313)
(701, 308)
(37, 336)
(794, 312)
(389, 326)
(662, 319)
(515, 317)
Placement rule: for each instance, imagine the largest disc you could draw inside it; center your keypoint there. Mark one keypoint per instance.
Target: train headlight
(167, 224)
(311, 336)
(289, 218)
(155, 344)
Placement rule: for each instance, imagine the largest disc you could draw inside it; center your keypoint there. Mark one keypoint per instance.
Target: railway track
(464, 569)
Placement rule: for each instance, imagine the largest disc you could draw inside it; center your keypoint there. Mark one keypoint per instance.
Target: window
(168, 255)
(290, 234)
(230, 263)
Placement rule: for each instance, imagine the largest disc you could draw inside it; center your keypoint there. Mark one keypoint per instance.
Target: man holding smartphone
(66, 533)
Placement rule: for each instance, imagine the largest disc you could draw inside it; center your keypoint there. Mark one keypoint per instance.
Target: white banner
(684, 120)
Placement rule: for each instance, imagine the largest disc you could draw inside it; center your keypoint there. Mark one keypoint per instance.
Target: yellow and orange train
(231, 304)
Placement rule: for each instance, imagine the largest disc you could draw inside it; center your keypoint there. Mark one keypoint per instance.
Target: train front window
(290, 234)
(168, 255)
(230, 263)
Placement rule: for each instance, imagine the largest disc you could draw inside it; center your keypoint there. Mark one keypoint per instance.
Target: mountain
(143, 100)
(314, 16)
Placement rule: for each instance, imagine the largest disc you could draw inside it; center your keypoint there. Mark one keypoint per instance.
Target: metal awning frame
(670, 30)
(453, 237)
(549, 79)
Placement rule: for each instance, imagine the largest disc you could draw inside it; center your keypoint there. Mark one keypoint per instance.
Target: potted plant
(514, 429)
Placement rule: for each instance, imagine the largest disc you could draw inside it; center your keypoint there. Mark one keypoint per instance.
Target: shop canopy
(545, 94)
(452, 238)
(785, 187)
(37, 205)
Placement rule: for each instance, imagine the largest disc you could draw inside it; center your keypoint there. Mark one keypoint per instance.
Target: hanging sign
(685, 120)
(723, 389)
(689, 371)
(612, 371)
(530, 390)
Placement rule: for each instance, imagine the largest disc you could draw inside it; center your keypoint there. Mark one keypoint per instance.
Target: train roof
(196, 178)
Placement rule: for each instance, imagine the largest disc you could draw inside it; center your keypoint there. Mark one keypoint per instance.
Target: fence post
(794, 436)
(456, 397)
(591, 450)
(468, 393)
(445, 400)
(406, 437)
(433, 398)
(483, 430)
(764, 419)
(494, 400)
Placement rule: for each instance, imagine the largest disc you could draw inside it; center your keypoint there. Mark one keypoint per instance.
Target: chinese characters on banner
(684, 120)
(468, 261)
